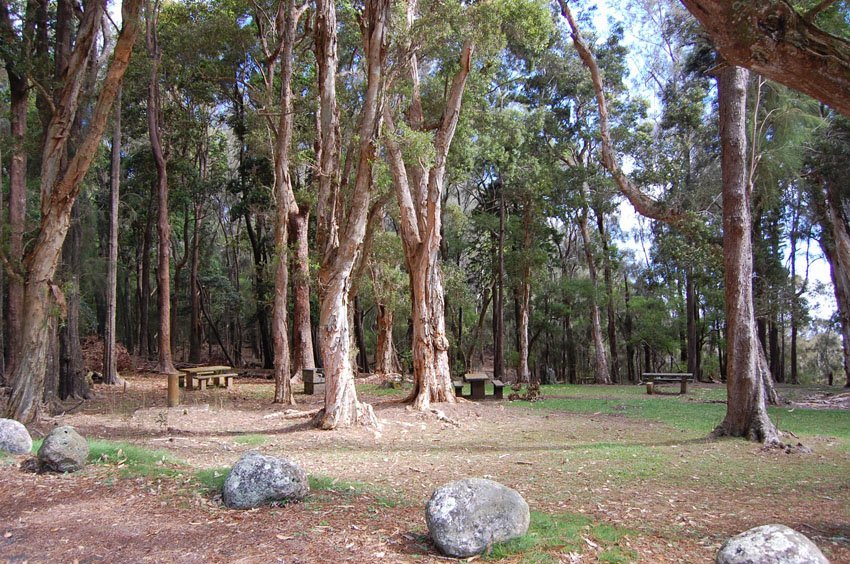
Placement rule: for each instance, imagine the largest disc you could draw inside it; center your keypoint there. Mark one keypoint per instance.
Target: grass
(688, 413)
(678, 451)
(376, 390)
(251, 439)
(211, 479)
(564, 532)
(132, 460)
(320, 484)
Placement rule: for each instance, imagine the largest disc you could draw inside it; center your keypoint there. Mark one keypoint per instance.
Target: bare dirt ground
(98, 515)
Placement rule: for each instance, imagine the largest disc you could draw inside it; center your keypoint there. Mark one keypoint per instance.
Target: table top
(205, 369)
(476, 377)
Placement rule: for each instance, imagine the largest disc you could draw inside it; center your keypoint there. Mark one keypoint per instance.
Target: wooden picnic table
(476, 384)
(204, 373)
(652, 378)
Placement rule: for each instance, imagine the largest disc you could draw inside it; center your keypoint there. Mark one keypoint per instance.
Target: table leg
(173, 391)
(477, 390)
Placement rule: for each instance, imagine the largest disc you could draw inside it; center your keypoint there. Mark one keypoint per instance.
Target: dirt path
(99, 516)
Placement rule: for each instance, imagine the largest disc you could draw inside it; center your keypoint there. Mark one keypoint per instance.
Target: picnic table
(652, 378)
(202, 374)
(476, 381)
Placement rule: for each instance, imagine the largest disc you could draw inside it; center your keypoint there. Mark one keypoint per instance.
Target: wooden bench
(458, 384)
(312, 377)
(652, 378)
(477, 389)
(216, 380)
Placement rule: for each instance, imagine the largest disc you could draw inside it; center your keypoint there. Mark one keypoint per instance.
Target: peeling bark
(420, 193)
(339, 250)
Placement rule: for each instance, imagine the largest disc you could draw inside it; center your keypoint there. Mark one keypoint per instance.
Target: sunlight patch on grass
(564, 532)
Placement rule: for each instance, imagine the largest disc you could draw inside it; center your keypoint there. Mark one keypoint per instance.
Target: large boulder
(14, 437)
(769, 544)
(257, 479)
(468, 516)
(63, 450)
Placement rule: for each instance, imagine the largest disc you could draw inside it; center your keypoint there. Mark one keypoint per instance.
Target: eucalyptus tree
(421, 118)
(59, 191)
(341, 229)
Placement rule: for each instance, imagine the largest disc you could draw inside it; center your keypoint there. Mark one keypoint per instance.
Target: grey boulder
(63, 450)
(257, 479)
(770, 544)
(466, 517)
(14, 437)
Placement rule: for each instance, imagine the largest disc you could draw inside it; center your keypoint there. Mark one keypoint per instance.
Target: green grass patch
(692, 413)
(132, 460)
(252, 439)
(320, 485)
(376, 390)
(211, 479)
(563, 532)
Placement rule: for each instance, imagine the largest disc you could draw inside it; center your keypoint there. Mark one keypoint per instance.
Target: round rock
(63, 450)
(257, 479)
(14, 437)
(467, 516)
(769, 544)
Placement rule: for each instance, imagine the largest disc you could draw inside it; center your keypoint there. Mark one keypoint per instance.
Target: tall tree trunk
(421, 232)
(601, 365)
(285, 207)
(17, 72)
(261, 289)
(2, 289)
(110, 358)
(165, 365)
(386, 359)
(499, 296)
(145, 343)
(196, 328)
(41, 296)
(835, 242)
(302, 333)
(609, 294)
(72, 372)
(339, 244)
(524, 299)
(628, 328)
(746, 411)
(692, 316)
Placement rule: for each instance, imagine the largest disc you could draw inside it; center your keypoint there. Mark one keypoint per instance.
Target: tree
(286, 205)
(419, 189)
(110, 358)
(17, 54)
(747, 371)
(41, 297)
(771, 38)
(746, 412)
(163, 227)
(340, 235)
